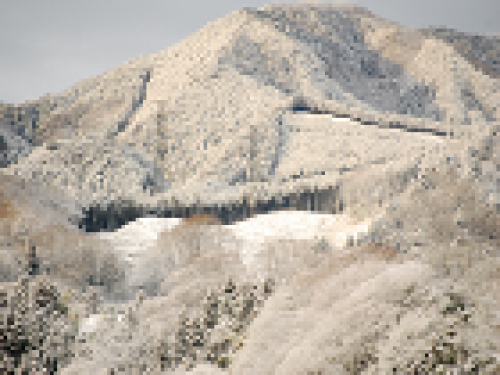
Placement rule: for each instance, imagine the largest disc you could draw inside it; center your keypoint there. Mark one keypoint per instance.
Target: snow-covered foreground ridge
(141, 234)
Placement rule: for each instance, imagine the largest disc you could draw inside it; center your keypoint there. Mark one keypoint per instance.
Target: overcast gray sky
(47, 46)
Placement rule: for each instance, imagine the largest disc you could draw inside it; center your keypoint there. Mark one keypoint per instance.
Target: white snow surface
(137, 236)
(134, 239)
(299, 225)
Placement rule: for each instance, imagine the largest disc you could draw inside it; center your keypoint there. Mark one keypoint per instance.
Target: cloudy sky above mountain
(47, 46)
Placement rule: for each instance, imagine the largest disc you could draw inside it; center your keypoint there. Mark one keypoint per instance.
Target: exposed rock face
(392, 134)
(12, 147)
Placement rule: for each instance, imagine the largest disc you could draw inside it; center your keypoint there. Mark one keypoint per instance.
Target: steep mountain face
(481, 50)
(207, 121)
(392, 133)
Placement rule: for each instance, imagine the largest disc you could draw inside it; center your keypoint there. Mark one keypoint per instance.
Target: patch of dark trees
(117, 214)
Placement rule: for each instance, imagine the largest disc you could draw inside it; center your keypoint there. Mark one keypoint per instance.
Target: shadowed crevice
(136, 105)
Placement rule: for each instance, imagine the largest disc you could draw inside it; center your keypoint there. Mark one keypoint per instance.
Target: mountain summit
(392, 134)
(208, 122)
